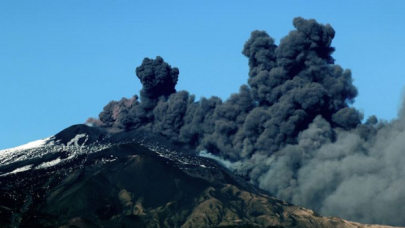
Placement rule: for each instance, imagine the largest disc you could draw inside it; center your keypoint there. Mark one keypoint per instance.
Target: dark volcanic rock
(89, 135)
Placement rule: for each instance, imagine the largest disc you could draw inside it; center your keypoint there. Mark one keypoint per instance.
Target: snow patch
(49, 164)
(75, 140)
(18, 170)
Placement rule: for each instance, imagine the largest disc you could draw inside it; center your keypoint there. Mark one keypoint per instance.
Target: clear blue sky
(62, 61)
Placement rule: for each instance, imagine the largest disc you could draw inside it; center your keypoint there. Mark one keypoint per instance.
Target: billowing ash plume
(290, 130)
(157, 77)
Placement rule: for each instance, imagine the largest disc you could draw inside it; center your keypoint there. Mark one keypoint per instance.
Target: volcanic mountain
(84, 177)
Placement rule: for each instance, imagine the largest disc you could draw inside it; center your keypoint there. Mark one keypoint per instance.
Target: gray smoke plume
(338, 172)
(290, 130)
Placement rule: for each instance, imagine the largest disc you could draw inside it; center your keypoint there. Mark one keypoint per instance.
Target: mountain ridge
(137, 183)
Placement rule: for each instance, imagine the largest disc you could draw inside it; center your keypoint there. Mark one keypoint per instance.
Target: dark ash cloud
(291, 130)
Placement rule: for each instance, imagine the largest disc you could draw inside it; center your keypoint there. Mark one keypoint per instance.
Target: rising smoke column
(294, 83)
(290, 130)
(157, 77)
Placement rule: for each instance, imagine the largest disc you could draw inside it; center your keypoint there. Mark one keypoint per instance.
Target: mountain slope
(83, 180)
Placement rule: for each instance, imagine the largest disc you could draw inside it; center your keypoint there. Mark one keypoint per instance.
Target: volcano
(85, 177)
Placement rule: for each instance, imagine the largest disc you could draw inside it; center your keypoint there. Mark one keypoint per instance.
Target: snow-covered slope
(22, 152)
(30, 145)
